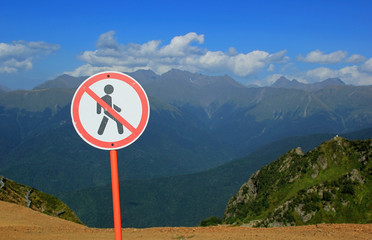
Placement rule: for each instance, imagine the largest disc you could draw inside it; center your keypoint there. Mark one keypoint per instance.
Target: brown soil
(18, 222)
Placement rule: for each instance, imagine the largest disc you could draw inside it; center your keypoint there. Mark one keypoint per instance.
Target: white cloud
(232, 51)
(356, 58)
(321, 73)
(88, 70)
(367, 66)
(19, 55)
(317, 56)
(240, 64)
(180, 45)
(271, 68)
(107, 40)
(185, 53)
(13, 65)
(349, 74)
(279, 57)
(180, 53)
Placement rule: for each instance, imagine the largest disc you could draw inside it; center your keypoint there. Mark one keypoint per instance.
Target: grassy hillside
(331, 184)
(183, 200)
(23, 195)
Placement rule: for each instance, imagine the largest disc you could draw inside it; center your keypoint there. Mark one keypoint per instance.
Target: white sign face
(110, 110)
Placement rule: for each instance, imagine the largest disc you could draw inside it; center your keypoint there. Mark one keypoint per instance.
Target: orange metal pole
(115, 193)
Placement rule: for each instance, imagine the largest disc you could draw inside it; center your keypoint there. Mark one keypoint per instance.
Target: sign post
(115, 193)
(110, 110)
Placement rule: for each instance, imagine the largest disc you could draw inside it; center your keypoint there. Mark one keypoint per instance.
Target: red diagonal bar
(116, 115)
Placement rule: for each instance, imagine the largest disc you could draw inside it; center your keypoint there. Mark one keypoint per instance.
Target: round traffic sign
(110, 110)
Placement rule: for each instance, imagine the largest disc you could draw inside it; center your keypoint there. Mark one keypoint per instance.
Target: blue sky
(252, 41)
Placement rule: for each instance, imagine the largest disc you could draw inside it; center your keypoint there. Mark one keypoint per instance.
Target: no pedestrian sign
(110, 110)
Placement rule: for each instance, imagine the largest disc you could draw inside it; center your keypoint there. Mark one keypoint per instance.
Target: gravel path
(18, 222)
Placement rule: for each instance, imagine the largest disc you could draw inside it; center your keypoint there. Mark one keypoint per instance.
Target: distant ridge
(147, 77)
(283, 82)
(70, 82)
(175, 78)
(63, 81)
(4, 89)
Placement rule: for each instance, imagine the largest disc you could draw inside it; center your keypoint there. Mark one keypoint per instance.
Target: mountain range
(197, 123)
(283, 82)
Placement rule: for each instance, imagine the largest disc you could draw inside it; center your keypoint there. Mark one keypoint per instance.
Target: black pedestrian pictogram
(108, 99)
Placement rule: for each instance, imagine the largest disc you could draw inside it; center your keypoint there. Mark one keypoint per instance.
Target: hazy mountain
(237, 118)
(196, 123)
(67, 81)
(144, 76)
(283, 82)
(4, 89)
(330, 184)
(37, 100)
(181, 87)
(63, 81)
(47, 147)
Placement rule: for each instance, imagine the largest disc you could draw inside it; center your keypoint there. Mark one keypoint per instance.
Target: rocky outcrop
(2, 184)
(247, 192)
(28, 198)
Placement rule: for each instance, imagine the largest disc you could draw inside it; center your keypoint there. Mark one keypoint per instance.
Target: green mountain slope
(183, 200)
(53, 158)
(331, 184)
(20, 194)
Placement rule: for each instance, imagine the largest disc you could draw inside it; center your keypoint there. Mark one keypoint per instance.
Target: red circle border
(103, 144)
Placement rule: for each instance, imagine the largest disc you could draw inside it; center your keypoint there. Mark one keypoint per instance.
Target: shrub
(327, 196)
(211, 221)
(348, 188)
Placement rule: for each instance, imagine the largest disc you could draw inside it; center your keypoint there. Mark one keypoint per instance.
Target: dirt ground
(18, 222)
